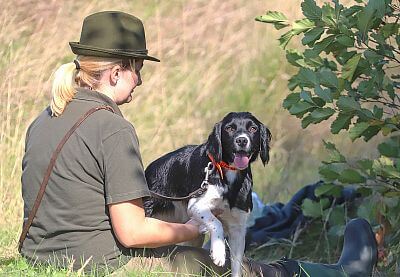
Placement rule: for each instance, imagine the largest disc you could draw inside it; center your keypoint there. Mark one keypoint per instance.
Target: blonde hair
(68, 78)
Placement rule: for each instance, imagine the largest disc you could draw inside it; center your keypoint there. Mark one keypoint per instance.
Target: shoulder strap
(46, 177)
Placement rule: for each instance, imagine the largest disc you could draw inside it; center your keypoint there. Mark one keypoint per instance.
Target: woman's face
(129, 79)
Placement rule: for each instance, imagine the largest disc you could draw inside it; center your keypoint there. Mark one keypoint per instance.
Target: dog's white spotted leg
(236, 237)
(201, 213)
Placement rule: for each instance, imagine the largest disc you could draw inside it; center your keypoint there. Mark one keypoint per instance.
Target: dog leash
(197, 193)
(46, 177)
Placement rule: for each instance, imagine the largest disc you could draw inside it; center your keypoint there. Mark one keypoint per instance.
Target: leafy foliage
(348, 71)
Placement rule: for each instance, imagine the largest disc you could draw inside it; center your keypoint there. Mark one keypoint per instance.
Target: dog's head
(238, 139)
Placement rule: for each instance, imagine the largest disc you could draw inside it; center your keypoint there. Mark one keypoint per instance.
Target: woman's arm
(133, 229)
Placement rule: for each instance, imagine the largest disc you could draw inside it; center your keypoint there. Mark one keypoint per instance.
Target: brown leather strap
(46, 177)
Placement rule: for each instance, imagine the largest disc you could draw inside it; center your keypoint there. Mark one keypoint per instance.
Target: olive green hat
(112, 34)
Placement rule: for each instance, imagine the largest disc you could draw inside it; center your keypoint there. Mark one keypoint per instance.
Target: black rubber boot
(358, 258)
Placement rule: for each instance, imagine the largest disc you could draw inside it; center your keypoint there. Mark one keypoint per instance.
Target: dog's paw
(217, 252)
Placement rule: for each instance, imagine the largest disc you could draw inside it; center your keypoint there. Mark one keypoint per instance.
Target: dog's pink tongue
(241, 161)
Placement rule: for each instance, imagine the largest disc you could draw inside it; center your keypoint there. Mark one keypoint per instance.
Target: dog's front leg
(236, 237)
(200, 211)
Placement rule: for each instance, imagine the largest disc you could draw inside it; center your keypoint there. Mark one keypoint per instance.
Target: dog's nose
(241, 141)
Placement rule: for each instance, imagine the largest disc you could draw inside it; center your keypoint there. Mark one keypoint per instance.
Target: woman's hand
(200, 226)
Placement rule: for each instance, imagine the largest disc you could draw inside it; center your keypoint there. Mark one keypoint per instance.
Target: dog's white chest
(213, 198)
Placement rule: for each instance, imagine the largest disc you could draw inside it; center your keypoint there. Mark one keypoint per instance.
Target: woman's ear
(265, 139)
(115, 74)
(214, 145)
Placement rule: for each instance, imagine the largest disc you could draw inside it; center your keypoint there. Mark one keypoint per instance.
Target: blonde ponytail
(67, 78)
(63, 89)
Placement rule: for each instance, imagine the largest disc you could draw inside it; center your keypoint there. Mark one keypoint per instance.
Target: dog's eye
(253, 129)
(229, 129)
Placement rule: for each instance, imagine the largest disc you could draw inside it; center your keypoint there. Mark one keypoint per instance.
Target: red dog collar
(220, 165)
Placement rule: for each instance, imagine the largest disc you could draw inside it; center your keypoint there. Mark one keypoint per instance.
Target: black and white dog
(233, 145)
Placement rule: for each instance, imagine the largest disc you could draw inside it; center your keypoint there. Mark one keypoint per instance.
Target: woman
(98, 181)
(91, 215)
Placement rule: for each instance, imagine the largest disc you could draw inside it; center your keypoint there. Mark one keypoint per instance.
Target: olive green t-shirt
(100, 164)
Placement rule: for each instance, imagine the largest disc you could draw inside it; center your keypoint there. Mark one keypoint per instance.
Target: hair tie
(77, 65)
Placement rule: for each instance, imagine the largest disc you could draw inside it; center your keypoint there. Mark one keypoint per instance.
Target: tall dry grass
(215, 59)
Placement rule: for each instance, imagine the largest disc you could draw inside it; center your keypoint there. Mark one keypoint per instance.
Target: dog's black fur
(182, 171)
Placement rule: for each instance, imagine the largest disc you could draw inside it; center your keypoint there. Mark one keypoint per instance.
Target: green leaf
(371, 132)
(285, 38)
(358, 130)
(334, 154)
(328, 15)
(324, 94)
(350, 176)
(365, 164)
(306, 96)
(313, 35)
(351, 10)
(364, 21)
(290, 100)
(328, 78)
(378, 112)
(365, 115)
(328, 190)
(321, 114)
(379, 6)
(389, 29)
(311, 208)
(306, 78)
(372, 56)
(316, 116)
(322, 45)
(314, 62)
(385, 167)
(342, 121)
(293, 83)
(320, 103)
(300, 108)
(390, 148)
(331, 171)
(306, 121)
(345, 56)
(300, 26)
(345, 40)
(311, 10)
(390, 172)
(348, 104)
(277, 18)
(350, 67)
(295, 58)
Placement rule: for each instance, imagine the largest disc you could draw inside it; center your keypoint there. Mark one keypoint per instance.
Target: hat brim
(85, 50)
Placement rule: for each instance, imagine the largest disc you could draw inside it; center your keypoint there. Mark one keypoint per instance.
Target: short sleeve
(123, 167)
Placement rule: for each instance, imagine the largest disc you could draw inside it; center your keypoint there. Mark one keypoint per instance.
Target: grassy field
(214, 59)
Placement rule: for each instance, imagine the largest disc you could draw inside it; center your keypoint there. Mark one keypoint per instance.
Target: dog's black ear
(265, 138)
(214, 142)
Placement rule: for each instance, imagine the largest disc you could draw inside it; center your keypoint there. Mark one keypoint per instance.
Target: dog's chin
(241, 160)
